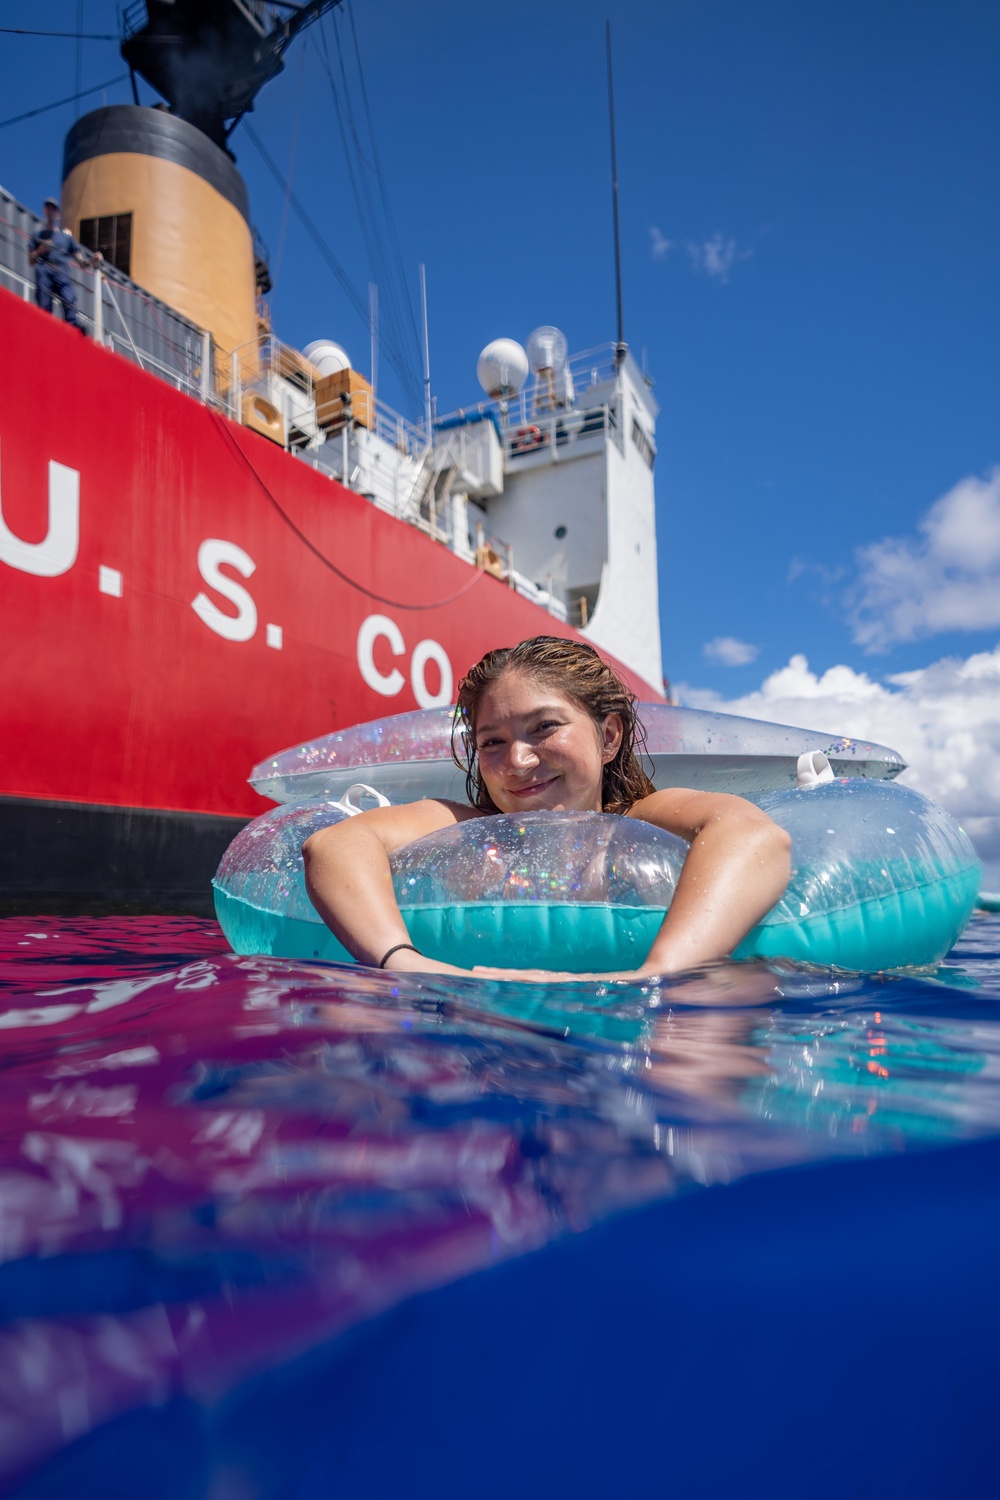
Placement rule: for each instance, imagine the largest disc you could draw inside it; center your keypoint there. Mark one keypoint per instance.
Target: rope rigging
(29, 114)
(380, 177)
(388, 273)
(75, 36)
(359, 304)
(291, 165)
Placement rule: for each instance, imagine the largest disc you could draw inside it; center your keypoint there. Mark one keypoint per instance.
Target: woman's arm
(350, 883)
(737, 868)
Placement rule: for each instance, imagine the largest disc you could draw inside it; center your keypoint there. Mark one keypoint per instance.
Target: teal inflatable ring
(882, 878)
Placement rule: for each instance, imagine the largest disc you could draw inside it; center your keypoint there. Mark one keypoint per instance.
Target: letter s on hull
(57, 553)
(242, 626)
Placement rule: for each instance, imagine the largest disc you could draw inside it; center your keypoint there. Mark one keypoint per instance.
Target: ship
(213, 545)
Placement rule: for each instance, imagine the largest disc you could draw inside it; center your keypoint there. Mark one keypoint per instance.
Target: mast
(621, 348)
(428, 405)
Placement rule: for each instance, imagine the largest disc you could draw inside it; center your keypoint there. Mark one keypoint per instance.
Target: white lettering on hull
(56, 553)
(372, 629)
(380, 627)
(424, 652)
(241, 626)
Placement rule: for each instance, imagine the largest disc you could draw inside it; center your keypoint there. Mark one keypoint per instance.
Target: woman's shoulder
(686, 810)
(461, 812)
(432, 813)
(410, 821)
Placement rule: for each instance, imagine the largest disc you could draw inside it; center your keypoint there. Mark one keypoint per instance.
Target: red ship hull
(179, 599)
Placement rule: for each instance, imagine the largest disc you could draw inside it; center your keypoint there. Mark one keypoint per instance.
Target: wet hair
(577, 672)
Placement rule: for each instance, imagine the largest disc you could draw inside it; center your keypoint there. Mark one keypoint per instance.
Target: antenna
(621, 348)
(373, 326)
(428, 408)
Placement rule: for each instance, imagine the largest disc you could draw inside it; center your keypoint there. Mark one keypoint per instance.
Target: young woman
(550, 726)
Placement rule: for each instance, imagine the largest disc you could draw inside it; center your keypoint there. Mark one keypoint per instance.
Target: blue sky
(811, 236)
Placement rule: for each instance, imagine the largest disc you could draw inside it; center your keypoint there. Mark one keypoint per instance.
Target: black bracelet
(386, 956)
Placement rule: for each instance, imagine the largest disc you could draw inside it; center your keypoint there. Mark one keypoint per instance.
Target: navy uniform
(52, 250)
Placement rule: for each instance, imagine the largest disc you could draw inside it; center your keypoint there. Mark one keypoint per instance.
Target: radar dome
(547, 350)
(328, 358)
(502, 368)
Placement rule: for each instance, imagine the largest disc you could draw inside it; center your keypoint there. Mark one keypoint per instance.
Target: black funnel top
(210, 58)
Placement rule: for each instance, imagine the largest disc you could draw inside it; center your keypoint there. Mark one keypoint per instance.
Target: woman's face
(538, 750)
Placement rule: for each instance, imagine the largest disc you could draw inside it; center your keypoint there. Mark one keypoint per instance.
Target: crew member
(52, 249)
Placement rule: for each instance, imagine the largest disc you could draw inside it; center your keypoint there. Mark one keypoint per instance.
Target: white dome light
(329, 358)
(502, 368)
(547, 350)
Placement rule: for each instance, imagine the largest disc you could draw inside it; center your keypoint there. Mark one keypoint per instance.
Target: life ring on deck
(882, 878)
(526, 439)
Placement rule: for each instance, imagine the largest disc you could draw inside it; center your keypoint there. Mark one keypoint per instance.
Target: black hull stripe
(75, 859)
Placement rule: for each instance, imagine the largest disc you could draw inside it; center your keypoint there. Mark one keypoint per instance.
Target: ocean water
(241, 1197)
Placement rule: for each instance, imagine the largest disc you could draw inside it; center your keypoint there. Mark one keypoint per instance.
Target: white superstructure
(577, 509)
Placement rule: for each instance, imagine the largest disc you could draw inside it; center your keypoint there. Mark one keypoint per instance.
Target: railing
(19, 285)
(550, 434)
(134, 18)
(122, 316)
(533, 422)
(262, 16)
(592, 367)
(285, 377)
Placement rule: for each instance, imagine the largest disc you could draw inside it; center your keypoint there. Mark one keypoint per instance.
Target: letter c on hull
(386, 683)
(57, 552)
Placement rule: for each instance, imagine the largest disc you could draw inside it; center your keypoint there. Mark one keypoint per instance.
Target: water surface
(213, 1165)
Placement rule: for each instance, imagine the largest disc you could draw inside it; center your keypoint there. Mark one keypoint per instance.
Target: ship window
(643, 442)
(112, 236)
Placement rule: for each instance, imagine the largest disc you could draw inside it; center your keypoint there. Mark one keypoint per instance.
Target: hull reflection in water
(211, 1167)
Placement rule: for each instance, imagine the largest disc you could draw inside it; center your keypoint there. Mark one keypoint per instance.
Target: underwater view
(277, 1228)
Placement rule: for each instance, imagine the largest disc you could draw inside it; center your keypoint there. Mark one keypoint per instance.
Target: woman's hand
(535, 976)
(716, 985)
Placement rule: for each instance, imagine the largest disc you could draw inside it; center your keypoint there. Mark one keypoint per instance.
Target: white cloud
(661, 247)
(944, 719)
(717, 256)
(728, 651)
(945, 578)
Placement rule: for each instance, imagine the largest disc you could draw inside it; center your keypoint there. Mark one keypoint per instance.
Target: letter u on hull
(57, 551)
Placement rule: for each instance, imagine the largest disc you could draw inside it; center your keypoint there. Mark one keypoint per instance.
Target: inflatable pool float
(406, 756)
(882, 878)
